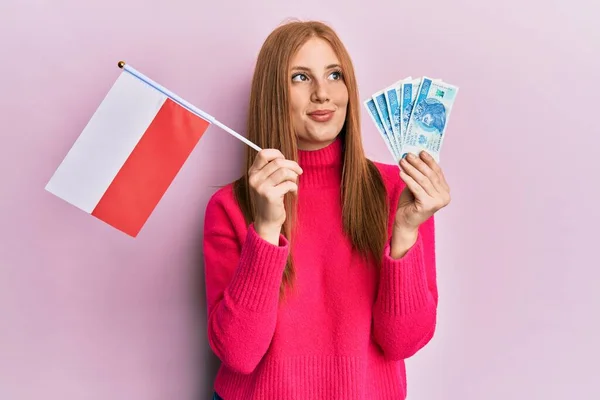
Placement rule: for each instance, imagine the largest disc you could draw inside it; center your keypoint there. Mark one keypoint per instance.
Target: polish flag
(129, 152)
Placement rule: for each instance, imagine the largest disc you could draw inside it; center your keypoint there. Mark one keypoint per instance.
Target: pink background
(89, 313)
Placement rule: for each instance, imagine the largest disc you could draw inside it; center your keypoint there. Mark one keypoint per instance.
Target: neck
(323, 167)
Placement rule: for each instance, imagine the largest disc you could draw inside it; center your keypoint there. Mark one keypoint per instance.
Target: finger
(282, 174)
(264, 157)
(424, 168)
(413, 185)
(435, 167)
(285, 187)
(276, 164)
(418, 176)
(259, 176)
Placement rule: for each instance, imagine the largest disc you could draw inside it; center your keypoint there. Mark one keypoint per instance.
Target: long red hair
(269, 125)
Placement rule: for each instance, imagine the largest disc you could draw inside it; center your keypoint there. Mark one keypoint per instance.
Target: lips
(321, 112)
(321, 115)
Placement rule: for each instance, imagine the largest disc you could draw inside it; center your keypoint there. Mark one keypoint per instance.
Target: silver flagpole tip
(121, 64)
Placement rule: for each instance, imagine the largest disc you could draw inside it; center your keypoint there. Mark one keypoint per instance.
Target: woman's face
(318, 95)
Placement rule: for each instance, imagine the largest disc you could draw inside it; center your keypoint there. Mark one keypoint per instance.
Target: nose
(320, 94)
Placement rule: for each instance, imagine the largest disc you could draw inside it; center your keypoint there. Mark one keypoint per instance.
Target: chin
(315, 141)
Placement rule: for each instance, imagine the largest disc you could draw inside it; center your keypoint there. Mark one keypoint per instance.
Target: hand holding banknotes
(425, 193)
(411, 115)
(271, 176)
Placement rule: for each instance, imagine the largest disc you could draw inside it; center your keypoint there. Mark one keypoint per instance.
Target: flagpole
(183, 103)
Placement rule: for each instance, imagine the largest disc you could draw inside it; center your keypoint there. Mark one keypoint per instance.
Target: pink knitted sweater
(345, 329)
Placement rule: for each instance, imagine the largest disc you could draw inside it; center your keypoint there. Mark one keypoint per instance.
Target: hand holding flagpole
(125, 67)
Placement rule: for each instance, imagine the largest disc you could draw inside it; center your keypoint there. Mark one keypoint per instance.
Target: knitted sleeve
(405, 311)
(242, 277)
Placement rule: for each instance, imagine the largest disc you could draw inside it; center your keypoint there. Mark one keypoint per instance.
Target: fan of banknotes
(412, 115)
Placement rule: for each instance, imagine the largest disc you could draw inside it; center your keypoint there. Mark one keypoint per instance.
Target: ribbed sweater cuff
(403, 285)
(255, 284)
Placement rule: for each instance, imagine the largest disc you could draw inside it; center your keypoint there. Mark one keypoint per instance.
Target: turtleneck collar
(322, 167)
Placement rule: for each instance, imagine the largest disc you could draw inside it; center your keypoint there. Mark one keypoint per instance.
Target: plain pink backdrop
(87, 312)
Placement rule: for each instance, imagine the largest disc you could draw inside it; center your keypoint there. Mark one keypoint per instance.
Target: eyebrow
(300, 68)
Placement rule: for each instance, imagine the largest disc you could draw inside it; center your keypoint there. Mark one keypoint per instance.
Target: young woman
(320, 264)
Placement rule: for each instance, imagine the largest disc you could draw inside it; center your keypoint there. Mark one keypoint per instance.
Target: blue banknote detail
(393, 103)
(429, 118)
(431, 115)
(372, 111)
(407, 103)
(370, 105)
(409, 93)
(382, 110)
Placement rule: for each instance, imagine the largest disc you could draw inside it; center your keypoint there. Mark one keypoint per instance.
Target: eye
(299, 77)
(336, 75)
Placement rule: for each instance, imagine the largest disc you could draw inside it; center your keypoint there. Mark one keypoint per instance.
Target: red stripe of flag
(151, 167)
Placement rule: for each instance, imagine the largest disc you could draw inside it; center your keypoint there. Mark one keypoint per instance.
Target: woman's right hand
(271, 176)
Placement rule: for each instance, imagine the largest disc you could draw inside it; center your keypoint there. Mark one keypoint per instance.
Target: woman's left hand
(425, 193)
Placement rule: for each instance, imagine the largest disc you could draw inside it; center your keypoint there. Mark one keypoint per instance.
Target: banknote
(407, 96)
(392, 110)
(392, 99)
(382, 110)
(372, 111)
(429, 117)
